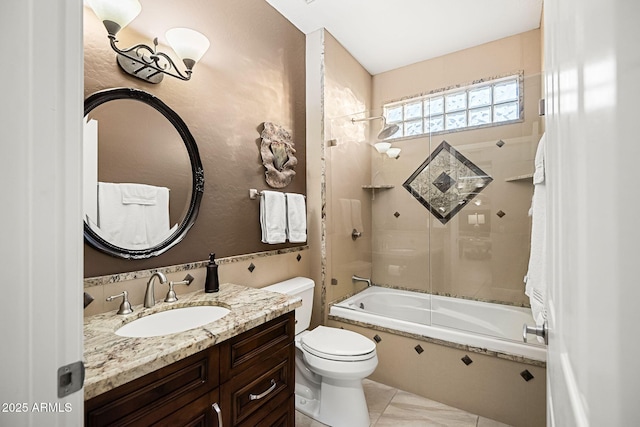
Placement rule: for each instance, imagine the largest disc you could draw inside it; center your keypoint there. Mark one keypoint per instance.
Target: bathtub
(493, 327)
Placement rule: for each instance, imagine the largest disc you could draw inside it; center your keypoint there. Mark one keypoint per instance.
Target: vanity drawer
(245, 350)
(154, 396)
(261, 389)
(283, 416)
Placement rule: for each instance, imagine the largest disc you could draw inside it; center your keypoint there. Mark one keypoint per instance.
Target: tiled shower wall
(403, 245)
(411, 248)
(347, 89)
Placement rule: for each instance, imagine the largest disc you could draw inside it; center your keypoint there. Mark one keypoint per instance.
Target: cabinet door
(200, 413)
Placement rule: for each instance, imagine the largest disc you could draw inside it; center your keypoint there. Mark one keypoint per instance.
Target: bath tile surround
(463, 347)
(492, 386)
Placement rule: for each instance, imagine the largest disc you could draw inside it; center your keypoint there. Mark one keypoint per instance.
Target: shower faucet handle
(540, 331)
(355, 234)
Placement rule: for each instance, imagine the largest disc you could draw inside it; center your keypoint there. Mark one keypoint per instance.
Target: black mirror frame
(197, 173)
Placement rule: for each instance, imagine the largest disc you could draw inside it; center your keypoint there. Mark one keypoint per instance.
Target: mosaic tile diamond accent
(299, 257)
(397, 214)
(500, 214)
(446, 182)
(377, 338)
(500, 143)
(528, 376)
(418, 349)
(251, 268)
(467, 360)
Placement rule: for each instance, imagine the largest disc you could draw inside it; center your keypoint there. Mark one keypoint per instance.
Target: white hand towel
(273, 217)
(345, 209)
(138, 194)
(536, 280)
(133, 225)
(296, 218)
(156, 216)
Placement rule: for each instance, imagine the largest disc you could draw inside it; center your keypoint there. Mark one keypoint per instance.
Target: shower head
(386, 131)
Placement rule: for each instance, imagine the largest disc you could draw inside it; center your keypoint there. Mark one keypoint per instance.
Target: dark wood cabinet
(249, 377)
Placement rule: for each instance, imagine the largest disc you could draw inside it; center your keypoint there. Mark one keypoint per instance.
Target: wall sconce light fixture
(141, 60)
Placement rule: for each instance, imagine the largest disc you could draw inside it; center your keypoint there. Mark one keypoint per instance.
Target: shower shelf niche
(519, 177)
(373, 189)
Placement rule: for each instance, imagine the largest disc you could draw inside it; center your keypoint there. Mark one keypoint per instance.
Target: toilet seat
(338, 344)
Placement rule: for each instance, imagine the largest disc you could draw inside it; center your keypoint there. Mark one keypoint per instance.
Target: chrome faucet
(355, 278)
(149, 295)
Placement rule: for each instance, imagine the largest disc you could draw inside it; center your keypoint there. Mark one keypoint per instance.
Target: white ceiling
(386, 34)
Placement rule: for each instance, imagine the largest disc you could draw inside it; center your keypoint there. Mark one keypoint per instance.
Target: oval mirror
(142, 179)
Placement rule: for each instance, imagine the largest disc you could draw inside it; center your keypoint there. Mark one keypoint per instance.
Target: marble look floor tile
(409, 410)
(378, 397)
(486, 422)
(303, 421)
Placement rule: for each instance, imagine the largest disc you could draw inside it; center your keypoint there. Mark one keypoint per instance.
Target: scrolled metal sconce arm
(153, 61)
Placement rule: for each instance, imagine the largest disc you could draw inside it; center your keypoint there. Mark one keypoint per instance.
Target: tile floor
(389, 406)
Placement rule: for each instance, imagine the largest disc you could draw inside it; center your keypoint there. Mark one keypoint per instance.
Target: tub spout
(355, 278)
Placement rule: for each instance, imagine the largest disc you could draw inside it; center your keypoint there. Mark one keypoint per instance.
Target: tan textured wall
(253, 72)
(347, 91)
(414, 250)
(489, 386)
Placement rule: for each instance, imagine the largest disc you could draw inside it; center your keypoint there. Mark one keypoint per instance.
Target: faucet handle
(125, 306)
(171, 295)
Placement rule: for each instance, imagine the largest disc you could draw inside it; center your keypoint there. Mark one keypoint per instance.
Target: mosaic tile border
(123, 277)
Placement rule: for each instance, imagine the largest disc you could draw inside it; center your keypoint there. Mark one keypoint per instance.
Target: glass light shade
(188, 44)
(122, 12)
(382, 147)
(393, 152)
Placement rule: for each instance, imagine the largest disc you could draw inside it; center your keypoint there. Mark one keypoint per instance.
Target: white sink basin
(172, 321)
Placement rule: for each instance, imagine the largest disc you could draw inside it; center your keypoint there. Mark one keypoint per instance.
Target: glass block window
(490, 102)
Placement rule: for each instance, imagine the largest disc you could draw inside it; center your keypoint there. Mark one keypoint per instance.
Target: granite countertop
(111, 360)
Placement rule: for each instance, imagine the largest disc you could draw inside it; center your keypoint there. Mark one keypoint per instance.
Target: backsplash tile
(271, 267)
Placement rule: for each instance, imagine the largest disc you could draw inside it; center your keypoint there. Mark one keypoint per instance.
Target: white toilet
(330, 364)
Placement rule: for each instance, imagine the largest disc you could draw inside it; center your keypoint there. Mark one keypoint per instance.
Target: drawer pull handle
(216, 408)
(264, 393)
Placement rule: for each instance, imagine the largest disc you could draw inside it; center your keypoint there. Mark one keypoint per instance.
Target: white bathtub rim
(483, 342)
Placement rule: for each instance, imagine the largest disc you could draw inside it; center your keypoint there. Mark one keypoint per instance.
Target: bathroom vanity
(236, 371)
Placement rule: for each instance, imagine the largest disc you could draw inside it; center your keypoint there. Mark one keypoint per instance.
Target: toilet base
(309, 407)
(342, 403)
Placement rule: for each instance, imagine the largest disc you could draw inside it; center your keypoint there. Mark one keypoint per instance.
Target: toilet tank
(300, 287)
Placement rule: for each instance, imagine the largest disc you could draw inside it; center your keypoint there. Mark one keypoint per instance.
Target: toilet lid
(338, 344)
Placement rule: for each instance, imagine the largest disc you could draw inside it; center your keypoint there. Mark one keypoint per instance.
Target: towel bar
(254, 194)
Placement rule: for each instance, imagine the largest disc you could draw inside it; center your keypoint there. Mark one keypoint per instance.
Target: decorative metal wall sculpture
(446, 182)
(277, 154)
